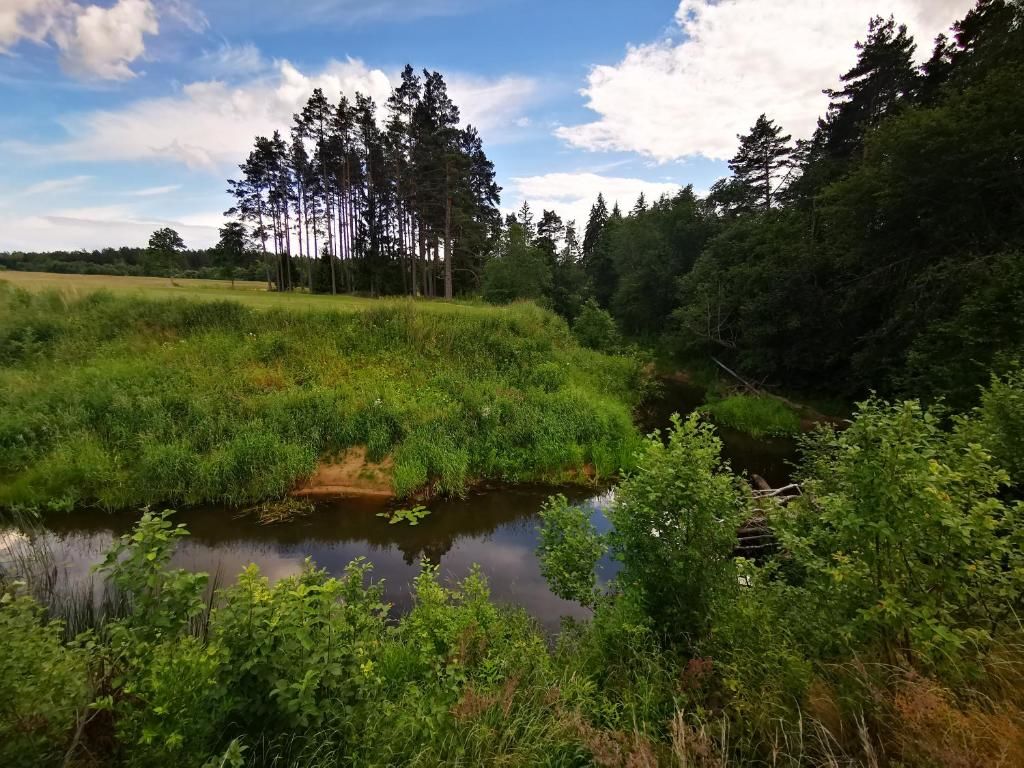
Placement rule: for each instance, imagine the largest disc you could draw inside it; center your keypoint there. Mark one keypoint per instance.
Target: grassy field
(253, 294)
(125, 399)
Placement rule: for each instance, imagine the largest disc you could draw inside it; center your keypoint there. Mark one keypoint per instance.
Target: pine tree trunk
(448, 248)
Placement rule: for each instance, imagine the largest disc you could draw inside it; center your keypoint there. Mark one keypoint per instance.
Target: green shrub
(904, 541)
(569, 550)
(43, 685)
(300, 648)
(595, 328)
(674, 529)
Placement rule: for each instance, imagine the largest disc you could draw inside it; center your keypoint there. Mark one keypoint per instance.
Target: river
(496, 527)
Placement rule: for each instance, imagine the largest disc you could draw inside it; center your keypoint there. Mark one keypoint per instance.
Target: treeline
(128, 261)
(349, 204)
(885, 252)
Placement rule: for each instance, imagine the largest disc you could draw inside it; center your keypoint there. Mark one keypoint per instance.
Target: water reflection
(494, 527)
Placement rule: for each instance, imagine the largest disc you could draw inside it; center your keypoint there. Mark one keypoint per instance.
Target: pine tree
(883, 79)
(760, 164)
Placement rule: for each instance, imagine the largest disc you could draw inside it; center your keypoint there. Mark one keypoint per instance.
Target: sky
(128, 115)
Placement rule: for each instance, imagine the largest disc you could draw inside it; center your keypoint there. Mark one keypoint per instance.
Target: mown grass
(123, 400)
(757, 416)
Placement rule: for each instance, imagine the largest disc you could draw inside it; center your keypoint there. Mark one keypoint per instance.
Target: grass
(757, 416)
(120, 400)
(253, 294)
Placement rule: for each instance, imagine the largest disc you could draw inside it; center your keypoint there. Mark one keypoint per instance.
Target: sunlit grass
(122, 400)
(254, 294)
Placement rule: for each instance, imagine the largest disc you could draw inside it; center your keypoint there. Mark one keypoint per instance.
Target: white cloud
(493, 106)
(211, 124)
(571, 194)
(32, 20)
(90, 228)
(672, 99)
(94, 41)
(232, 61)
(154, 191)
(50, 186)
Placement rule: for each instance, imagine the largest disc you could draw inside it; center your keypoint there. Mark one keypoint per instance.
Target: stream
(496, 527)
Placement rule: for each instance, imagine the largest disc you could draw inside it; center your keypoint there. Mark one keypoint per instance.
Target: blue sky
(126, 115)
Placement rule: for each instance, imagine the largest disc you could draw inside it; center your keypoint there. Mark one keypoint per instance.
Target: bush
(904, 540)
(595, 328)
(43, 685)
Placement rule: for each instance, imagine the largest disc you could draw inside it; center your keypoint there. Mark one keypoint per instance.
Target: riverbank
(120, 401)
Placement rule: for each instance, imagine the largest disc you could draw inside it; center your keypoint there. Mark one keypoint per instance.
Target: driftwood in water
(755, 538)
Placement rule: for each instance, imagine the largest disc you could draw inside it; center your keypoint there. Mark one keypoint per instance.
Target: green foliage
(121, 401)
(904, 539)
(569, 550)
(595, 328)
(43, 685)
(163, 601)
(517, 271)
(674, 529)
(298, 644)
(998, 423)
(757, 416)
(759, 647)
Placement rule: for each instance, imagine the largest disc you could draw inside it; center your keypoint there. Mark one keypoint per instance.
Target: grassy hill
(122, 400)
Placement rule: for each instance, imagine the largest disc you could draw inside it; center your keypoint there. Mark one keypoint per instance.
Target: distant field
(254, 294)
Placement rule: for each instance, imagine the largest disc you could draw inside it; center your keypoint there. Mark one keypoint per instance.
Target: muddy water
(497, 528)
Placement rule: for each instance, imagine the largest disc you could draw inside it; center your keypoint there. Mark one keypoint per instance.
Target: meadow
(123, 397)
(253, 294)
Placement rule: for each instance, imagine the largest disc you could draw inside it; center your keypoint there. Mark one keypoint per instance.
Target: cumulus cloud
(211, 124)
(94, 41)
(571, 194)
(736, 59)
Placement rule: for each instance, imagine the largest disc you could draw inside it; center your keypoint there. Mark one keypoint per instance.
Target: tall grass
(757, 416)
(121, 401)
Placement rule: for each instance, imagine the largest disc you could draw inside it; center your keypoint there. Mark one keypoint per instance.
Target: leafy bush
(595, 328)
(998, 423)
(904, 540)
(569, 550)
(674, 528)
(293, 647)
(43, 685)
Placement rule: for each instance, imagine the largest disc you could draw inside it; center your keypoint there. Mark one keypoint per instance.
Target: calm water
(497, 528)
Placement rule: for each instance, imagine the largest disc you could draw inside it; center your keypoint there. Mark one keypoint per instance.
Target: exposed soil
(350, 474)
